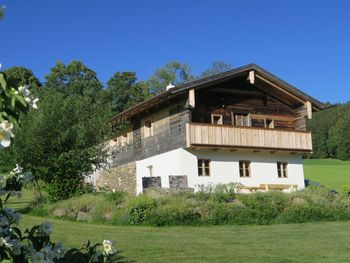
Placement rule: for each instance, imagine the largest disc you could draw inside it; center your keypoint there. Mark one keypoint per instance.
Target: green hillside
(328, 172)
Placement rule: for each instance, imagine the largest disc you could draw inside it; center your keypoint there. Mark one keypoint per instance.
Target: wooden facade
(201, 135)
(247, 108)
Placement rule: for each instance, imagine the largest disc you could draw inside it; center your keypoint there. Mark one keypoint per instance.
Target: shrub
(219, 192)
(116, 197)
(140, 209)
(307, 213)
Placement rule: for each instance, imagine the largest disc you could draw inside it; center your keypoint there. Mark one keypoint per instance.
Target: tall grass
(208, 207)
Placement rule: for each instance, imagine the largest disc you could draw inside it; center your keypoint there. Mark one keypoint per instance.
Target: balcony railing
(226, 136)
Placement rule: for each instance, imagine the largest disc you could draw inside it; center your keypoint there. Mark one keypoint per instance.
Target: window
(203, 167)
(148, 131)
(242, 120)
(244, 168)
(216, 119)
(269, 123)
(282, 168)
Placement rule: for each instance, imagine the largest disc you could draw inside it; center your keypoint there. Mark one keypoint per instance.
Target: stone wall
(121, 178)
(151, 182)
(178, 181)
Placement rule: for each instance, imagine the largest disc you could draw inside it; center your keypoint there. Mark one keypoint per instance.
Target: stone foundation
(121, 178)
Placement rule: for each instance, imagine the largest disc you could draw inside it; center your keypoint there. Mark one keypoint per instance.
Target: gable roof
(275, 85)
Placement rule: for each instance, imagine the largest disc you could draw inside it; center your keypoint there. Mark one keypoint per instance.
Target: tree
(2, 12)
(339, 137)
(74, 79)
(173, 72)
(22, 77)
(216, 68)
(35, 244)
(62, 141)
(330, 132)
(123, 91)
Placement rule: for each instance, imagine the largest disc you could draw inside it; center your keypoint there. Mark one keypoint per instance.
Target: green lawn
(331, 173)
(314, 242)
(326, 242)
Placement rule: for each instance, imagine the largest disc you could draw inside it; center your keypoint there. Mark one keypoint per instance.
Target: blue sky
(306, 43)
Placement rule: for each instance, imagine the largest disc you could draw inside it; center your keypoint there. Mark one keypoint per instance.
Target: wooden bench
(267, 187)
(279, 186)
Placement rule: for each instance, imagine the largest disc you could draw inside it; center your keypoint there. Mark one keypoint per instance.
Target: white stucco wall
(224, 167)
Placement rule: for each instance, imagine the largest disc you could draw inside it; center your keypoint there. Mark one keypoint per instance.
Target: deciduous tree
(174, 72)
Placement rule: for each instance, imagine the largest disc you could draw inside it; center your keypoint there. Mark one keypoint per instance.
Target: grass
(328, 172)
(326, 242)
(311, 242)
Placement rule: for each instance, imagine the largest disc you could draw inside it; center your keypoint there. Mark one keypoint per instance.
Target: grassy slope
(331, 173)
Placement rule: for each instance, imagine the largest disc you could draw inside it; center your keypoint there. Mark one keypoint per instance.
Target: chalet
(244, 125)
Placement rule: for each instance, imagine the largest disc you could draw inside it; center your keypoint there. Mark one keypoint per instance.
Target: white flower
(108, 247)
(38, 257)
(5, 133)
(4, 242)
(24, 90)
(46, 228)
(33, 103)
(18, 169)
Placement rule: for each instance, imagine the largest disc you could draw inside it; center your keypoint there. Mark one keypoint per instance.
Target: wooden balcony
(234, 137)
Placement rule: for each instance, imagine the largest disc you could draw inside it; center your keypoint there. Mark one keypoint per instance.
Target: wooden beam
(251, 77)
(191, 98)
(309, 110)
(277, 92)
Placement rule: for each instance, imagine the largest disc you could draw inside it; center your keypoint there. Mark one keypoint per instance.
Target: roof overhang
(261, 78)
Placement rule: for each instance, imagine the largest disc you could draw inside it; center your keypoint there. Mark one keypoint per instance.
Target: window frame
(201, 165)
(282, 169)
(242, 119)
(243, 168)
(220, 120)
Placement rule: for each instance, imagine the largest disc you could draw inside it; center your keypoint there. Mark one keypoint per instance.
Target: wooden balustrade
(226, 136)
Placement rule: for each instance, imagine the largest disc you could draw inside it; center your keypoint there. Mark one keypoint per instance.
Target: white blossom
(33, 103)
(4, 242)
(18, 169)
(24, 90)
(5, 133)
(108, 247)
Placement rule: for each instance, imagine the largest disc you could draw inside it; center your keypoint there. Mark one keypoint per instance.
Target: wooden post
(191, 98)
(309, 110)
(251, 77)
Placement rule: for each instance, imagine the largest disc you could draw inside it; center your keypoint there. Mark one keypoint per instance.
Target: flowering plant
(33, 245)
